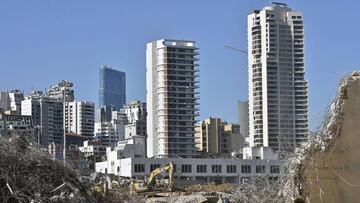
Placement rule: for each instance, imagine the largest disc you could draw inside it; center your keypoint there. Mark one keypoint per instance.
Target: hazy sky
(45, 41)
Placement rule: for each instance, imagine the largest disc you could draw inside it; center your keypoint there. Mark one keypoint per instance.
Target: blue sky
(45, 41)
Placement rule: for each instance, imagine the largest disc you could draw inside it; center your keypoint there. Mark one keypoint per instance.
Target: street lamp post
(64, 125)
(64, 86)
(38, 127)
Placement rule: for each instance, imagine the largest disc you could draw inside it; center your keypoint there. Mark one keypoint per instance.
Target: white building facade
(109, 133)
(16, 96)
(93, 148)
(191, 171)
(80, 118)
(171, 83)
(278, 98)
(136, 119)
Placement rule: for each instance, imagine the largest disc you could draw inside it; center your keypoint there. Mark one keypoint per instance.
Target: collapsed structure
(328, 168)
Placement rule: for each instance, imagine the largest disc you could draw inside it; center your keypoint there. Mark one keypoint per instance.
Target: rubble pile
(28, 174)
(259, 190)
(319, 144)
(211, 187)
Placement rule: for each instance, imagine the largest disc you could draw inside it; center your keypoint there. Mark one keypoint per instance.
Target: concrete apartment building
(21, 125)
(243, 117)
(4, 101)
(10, 101)
(103, 114)
(215, 137)
(232, 140)
(46, 112)
(16, 96)
(110, 132)
(171, 84)
(207, 136)
(136, 119)
(57, 92)
(79, 118)
(278, 98)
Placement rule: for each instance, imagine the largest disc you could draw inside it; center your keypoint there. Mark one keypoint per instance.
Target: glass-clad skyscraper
(112, 87)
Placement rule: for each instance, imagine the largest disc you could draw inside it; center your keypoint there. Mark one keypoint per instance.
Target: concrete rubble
(318, 169)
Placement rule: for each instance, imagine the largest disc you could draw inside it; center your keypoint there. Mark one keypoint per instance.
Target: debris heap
(328, 169)
(28, 174)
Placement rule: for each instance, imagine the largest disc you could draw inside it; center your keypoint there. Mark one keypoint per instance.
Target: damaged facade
(330, 167)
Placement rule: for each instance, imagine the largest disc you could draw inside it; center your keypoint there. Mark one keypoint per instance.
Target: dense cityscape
(139, 140)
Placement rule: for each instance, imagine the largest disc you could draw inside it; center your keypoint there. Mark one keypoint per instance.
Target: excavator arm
(169, 169)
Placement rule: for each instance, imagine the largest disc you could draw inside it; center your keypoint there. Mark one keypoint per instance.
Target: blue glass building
(112, 88)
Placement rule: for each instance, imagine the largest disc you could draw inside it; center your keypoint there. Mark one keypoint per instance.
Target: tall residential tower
(278, 98)
(171, 84)
(112, 88)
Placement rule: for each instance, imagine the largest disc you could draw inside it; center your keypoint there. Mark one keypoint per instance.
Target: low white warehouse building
(195, 170)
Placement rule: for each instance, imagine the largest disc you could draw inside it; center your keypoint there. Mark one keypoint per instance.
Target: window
(201, 168)
(275, 169)
(186, 168)
(139, 168)
(246, 169)
(118, 169)
(260, 168)
(216, 168)
(154, 166)
(231, 168)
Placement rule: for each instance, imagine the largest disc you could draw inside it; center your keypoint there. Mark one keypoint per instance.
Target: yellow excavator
(149, 185)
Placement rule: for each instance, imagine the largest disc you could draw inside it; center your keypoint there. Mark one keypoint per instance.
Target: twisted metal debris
(28, 174)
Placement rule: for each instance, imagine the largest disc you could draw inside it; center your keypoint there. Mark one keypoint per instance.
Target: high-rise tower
(171, 97)
(278, 99)
(112, 90)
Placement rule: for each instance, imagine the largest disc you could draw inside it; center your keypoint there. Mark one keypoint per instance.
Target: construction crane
(136, 187)
(236, 49)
